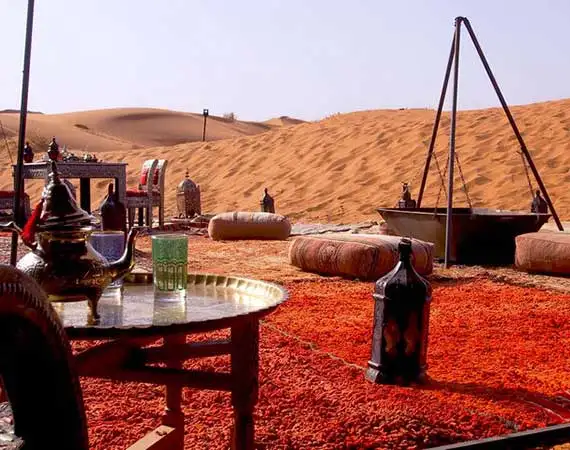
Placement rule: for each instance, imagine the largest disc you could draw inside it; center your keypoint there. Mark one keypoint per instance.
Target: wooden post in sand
(18, 191)
(206, 113)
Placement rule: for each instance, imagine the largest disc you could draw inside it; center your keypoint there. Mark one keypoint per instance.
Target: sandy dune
(341, 168)
(126, 128)
(283, 121)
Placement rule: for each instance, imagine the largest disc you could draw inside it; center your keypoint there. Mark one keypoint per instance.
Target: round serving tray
(210, 302)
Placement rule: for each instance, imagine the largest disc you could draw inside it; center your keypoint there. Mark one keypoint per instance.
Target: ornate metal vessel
(188, 198)
(62, 260)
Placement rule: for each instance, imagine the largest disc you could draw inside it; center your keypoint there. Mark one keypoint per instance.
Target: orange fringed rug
(498, 363)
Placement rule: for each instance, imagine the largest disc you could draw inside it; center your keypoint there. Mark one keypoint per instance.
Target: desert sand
(337, 170)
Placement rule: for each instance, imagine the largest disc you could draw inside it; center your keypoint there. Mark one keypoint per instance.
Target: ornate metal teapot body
(62, 260)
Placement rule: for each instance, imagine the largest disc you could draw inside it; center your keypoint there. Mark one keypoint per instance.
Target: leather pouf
(546, 252)
(249, 225)
(363, 256)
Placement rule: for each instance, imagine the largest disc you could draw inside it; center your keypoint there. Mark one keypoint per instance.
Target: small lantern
(538, 205)
(267, 203)
(401, 317)
(28, 153)
(53, 150)
(188, 198)
(406, 201)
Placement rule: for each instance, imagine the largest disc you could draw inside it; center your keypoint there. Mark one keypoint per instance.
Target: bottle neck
(405, 254)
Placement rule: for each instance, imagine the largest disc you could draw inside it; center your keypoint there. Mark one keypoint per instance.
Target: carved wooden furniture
(158, 182)
(84, 171)
(141, 197)
(7, 202)
(37, 371)
(131, 320)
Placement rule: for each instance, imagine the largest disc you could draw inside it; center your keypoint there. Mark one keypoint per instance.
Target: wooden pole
(18, 182)
(448, 222)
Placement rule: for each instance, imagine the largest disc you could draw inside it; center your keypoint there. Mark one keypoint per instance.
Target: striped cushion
(249, 225)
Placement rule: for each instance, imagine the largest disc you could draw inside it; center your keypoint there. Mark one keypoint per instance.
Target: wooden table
(135, 317)
(84, 171)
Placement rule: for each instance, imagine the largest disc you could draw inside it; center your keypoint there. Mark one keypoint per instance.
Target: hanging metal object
(468, 235)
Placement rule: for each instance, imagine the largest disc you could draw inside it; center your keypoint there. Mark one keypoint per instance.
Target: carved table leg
(173, 416)
(245, 366)
(85, 193)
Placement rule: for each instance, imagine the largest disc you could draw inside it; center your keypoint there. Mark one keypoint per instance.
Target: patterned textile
(363, 256)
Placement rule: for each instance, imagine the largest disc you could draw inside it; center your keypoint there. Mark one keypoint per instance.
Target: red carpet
(498, 362)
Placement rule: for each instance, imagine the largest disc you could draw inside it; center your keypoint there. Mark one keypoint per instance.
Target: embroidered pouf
(546, 252)
(363, 256)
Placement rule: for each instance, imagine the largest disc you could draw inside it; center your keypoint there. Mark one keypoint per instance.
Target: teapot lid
(60, 210)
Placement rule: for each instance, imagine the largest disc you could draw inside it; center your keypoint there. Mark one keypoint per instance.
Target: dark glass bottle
(401, 318)
(113, 212)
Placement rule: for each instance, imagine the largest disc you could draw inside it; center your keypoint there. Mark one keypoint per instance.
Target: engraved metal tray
(210, 302)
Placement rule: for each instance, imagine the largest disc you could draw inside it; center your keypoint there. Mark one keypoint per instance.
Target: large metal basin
(478, 235)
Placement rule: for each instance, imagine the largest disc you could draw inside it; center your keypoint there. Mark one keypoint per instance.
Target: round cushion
(363, 256)
(546, 252)
(249, 225)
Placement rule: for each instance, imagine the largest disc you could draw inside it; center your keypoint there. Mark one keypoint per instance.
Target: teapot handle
(11, 226)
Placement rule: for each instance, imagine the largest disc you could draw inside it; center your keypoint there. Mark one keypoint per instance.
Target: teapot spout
(126, 263)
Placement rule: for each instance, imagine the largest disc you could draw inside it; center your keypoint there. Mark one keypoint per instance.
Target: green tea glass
(170, 262)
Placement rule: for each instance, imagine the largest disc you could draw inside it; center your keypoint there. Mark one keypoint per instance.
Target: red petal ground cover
(497, 353)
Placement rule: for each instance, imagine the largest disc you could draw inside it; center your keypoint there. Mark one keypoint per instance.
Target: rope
(527, 175)
(6, 143)
(463, 180)
(442, 181)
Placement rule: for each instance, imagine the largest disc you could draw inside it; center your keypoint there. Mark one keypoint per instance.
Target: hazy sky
(267, 58)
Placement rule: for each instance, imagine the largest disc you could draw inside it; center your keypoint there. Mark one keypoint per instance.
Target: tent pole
(518, 135)
(18, 182)
(448, 222)
(436, 124)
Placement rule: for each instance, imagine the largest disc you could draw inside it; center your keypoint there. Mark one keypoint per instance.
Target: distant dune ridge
(128, 128)
(338, 169)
